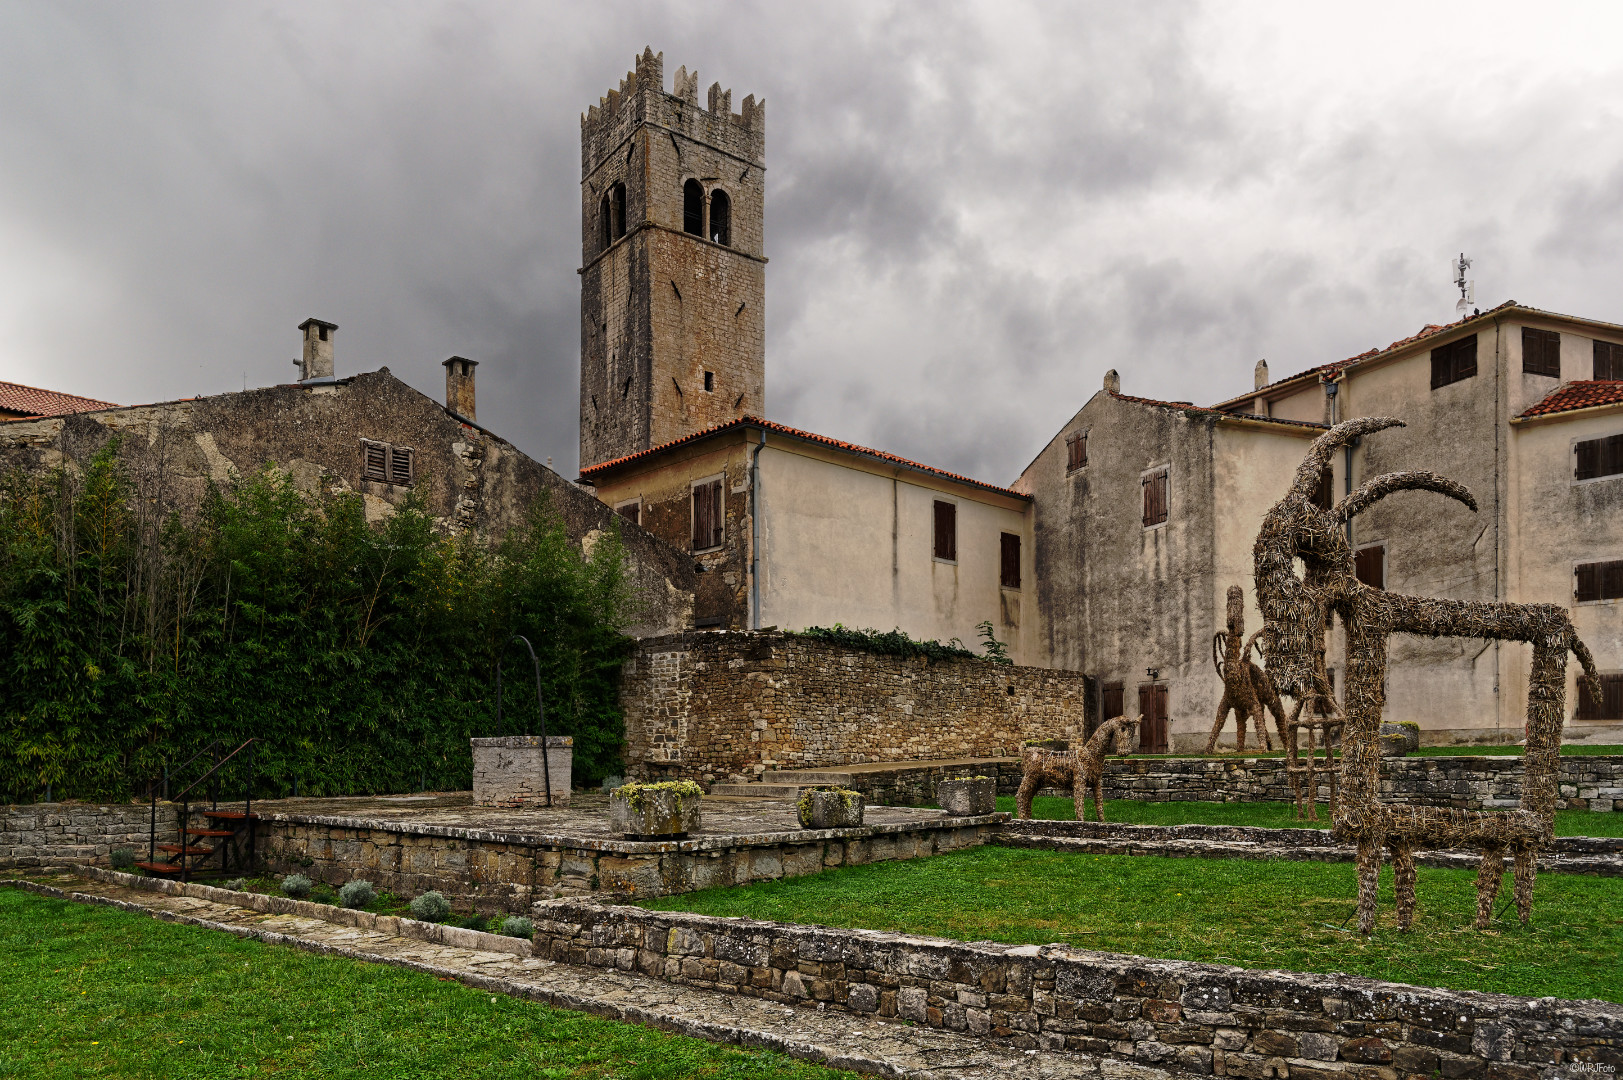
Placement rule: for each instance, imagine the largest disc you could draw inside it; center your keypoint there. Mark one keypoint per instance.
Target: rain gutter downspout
(755, 532)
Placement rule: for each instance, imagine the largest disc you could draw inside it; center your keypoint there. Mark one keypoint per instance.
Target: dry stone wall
(712, 706)
(51, 834)
(1154, 1016)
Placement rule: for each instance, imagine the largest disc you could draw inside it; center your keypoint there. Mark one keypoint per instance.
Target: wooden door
(1152, 731)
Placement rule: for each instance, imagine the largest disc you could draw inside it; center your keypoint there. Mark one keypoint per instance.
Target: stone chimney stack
(459, 386)
(1112, 381)
(316, 363)
(1259, 375)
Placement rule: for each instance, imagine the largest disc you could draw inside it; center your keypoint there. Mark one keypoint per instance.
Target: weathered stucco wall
(726, 706)
(466, 476)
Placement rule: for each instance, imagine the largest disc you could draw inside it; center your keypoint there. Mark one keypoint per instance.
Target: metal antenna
(1467, 288)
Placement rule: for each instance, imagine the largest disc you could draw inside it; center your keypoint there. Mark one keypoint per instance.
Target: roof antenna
(1467, 289)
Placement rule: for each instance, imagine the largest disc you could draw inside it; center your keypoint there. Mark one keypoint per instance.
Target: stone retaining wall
(1475, 783)
(51, 834)
(496, 871)
(1186, 1018)
(719, 706)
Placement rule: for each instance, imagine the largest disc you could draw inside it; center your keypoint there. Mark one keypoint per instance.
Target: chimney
(459, 386)
(1259, 375)
(1112, 381)
(316, 362)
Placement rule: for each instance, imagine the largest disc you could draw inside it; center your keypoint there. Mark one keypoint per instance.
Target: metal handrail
(182, 796)
(540, 705)
(185, 804)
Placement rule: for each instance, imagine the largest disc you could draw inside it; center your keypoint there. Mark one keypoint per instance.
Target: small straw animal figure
(1295, 611)
(1246, 687)
(1082, 770)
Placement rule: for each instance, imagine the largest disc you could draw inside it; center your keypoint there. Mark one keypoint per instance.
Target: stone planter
(829, 808)
(1399, 739)
(967, 797)
(667, 811)
(508, 771)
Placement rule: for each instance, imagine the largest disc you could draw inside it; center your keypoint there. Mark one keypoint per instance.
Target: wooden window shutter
(399, 464)
(1010, 575)
(1439, 368)
(1588, 583)
(1369, 566)
(946, 531)
(1588, 453)
(1611, 580)
(1452, 362)
(1325, 496)
(1541, 352)
(1608, 360)
(708, 520)
(1611, 700)
(1146, 716)
(1155, 498)
(632, 512)
(1111, 704)
(1076, 451)
(375, 461)
(1611, 455)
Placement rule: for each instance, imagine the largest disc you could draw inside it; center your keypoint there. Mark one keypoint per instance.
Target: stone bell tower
(673, 279)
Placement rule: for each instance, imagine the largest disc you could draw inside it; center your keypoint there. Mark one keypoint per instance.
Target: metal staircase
(185, 856)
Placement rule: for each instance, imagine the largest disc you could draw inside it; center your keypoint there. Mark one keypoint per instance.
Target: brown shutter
(1465, 358)
(1453, 362)
(1608, 360)
(632, 512)
(707, 520)
(1011, 561)
(1541, 352)
(946, 531)
(1146, 714)
(1611, 700)
(1611, 580)
(1588, 586)
(1324, 497)
(1611, 455)
(1082, 449)
(1439, 368)
(1110, 705)
(1155, 498)
(1369, 566)
(1588, 459)
(399, 465)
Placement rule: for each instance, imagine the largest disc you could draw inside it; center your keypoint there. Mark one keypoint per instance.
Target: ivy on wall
(362, 655)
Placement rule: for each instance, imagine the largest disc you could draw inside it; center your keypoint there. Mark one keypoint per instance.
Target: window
(1155, 498)
(1076, 451)
(1152, 729)
(1608, 360)
(1325, 496)
(693, 208)
(707, 515)
(385, 463)
(946, 531)
(1599, 581)
(721, 217)
(710, 381)
(605, 224)
(1452, 362)
(1110, 701)
(1369, 565)
(1010, 575)
(617, 210)
(1611, 700)
(1599, 457)
(631, 511)
(1541, 352)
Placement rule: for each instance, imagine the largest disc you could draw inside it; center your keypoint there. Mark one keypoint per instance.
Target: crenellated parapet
(641, 98)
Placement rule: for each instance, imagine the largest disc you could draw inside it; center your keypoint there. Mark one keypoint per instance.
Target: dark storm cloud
(973, 210)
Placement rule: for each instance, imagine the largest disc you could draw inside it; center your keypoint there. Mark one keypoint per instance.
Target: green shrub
(893, 643)
(357, 894)
(476, 921)
(518, 926)
(235, 884)
(323, 893)
(122, 858)
(297, 886)
(430, 907)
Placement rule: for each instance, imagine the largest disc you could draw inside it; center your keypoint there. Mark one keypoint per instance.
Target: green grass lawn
(92, 991)
(1229, 911)
(1273, 815)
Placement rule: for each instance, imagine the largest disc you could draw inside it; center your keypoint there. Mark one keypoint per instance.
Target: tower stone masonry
(673, 276)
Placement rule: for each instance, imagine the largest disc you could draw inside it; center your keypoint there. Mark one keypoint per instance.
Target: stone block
(509, 771)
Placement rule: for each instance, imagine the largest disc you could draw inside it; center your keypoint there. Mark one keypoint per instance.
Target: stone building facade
(673, 275)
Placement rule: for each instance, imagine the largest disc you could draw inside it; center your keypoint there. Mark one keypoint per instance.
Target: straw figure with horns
(1246, 687)
(1295, 612)
(1082, 770)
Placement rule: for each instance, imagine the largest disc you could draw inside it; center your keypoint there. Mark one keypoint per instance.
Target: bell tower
(673, 278)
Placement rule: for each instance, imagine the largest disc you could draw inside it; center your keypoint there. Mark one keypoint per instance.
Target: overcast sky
(973, 210)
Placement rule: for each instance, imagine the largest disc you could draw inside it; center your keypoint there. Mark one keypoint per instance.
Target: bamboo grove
(363, 656)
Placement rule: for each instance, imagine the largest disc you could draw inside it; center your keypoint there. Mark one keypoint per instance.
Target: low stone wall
(499, 871)
(51, 834)
(719, 706)
(1475, 783)
(1170, 1015)
(515, 770)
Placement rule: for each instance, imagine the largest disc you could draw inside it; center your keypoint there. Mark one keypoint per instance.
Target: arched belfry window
(617, 209)
(721, 217)
(605, 225)
(693, 208)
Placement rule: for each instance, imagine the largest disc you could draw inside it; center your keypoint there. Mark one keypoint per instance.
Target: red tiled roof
(783, 429)
(32, 401)
(1578, 395)
(1190, 407)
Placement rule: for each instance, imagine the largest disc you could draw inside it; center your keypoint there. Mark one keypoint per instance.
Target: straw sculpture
(1324, 724)
(1246, 687)
(1295, 612)
(1055, 764)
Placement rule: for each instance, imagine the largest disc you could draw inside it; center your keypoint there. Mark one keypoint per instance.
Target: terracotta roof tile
(32, 401)
(1578, 395)
(783, 429)
(1191, 407)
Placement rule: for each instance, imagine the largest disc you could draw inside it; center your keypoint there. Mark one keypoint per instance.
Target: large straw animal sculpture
(1246, 687)
(1082, 770)
(1295, 610)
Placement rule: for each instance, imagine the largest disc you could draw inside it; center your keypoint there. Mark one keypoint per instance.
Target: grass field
(96, 992)
(1274, 815)
(1230, 911)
